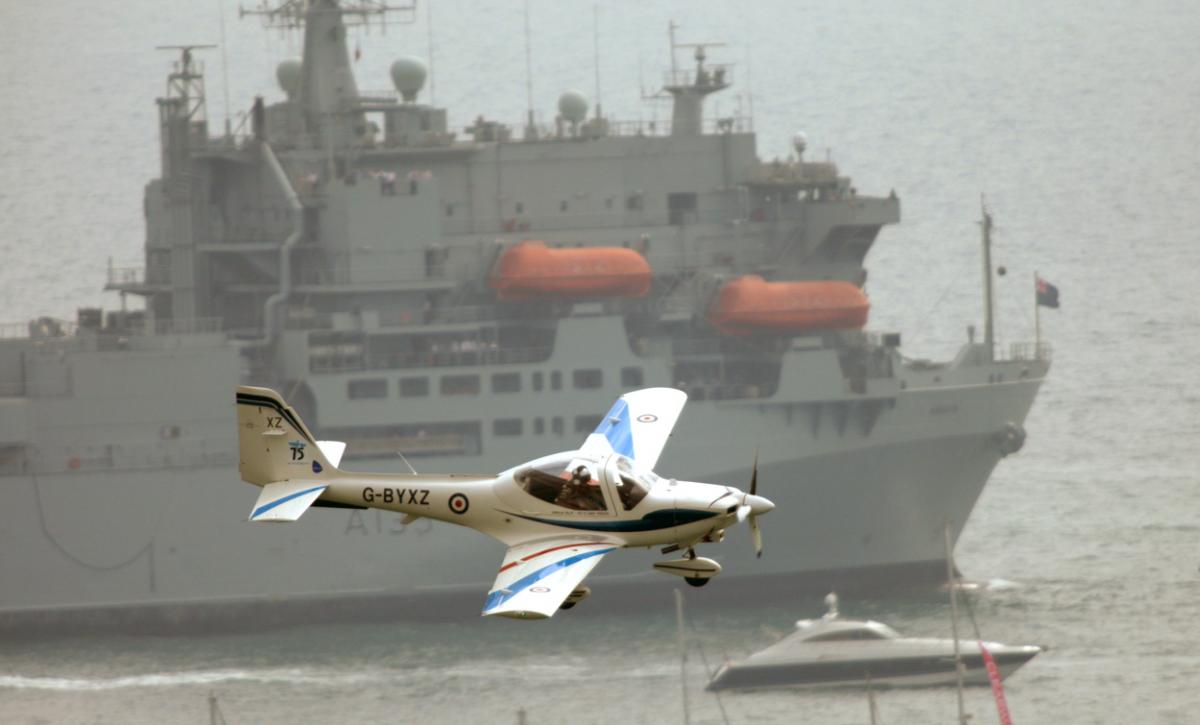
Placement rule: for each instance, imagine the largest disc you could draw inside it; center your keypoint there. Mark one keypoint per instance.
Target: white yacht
(834, 652)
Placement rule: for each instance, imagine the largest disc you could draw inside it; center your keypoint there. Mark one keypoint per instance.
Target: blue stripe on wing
(279, 501)
(500, 596)
(616, 428)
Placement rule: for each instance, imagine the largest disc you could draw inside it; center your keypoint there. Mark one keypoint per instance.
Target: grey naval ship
(471, 299)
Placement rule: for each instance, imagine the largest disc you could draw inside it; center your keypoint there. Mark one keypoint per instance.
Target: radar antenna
(290, 14)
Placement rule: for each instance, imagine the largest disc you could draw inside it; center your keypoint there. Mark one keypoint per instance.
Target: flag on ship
(1047, 294)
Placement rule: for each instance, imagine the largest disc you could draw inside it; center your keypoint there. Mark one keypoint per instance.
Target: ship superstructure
(470, 298)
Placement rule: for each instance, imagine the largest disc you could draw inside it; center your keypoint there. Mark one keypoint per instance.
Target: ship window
(539, 426)
(556, 425)
(507, 427)
(449, 210)
(846, 635)
(556, 380)
(373, 388)
(537, 379)
(633, 202)
(506, 383)
(414, 387)
(587, 423)
(588, 379)
(579, 490)
(460, 385)
(680, 206)
(631, 377)
(520, 208)
(562, 206)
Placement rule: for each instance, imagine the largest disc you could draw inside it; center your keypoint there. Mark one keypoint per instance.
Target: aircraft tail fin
(274, 445)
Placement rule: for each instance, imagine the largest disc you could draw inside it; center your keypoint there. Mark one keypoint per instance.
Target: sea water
(1077, 120)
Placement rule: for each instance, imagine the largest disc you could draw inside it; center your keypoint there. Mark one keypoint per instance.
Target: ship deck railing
(41, 328)
(1027, 351)
(186, 326)
(319, 363)
(543, 133)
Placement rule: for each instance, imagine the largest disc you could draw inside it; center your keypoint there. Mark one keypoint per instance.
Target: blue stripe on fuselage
(500, 596)
(616, 428)
(268, 506)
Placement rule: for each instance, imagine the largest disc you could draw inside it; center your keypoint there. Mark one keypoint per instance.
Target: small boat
(530, 270)
(750, 305)
(836, 652)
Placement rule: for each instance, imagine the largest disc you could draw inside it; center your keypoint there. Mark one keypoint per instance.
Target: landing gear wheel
(695, 581)
(566, 605)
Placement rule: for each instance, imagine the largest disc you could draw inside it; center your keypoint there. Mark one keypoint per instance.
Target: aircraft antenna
(414, 471)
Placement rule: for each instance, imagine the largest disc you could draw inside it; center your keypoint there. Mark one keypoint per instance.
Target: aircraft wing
(537, 576)
(638, 425)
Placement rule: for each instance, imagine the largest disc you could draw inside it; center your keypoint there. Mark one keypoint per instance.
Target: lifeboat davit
(751, 305)
(531, 270)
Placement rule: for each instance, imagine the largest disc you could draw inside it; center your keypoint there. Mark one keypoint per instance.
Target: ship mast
(328, 87)
(989, 332)
(689, 89)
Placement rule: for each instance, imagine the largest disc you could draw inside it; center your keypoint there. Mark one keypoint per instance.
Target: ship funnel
(408, 75)
(289, 73)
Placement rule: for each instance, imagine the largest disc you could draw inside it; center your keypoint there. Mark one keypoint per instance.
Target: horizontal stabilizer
(286, 500)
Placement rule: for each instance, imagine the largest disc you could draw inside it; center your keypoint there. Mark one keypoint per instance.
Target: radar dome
(408, 75)
(288, 74)
(573, 106)
(799, 142)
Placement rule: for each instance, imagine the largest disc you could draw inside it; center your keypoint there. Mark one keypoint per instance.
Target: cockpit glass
(577, 489)
(632, 485)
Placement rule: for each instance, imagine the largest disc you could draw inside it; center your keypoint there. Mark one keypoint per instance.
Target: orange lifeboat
(530, 270)
(751, 305)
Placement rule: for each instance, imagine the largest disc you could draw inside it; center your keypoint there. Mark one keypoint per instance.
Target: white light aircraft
(558, 515)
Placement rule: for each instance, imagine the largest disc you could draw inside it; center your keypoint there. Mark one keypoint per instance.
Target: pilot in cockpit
(580, 492)
(581, 476)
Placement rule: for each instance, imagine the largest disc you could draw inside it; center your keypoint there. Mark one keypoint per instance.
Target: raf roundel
(459, 503)
(647, 418)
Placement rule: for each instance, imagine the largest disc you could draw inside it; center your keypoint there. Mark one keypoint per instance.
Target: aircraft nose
(759, 504)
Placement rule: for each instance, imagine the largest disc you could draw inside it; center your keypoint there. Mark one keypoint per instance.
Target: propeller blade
(754, 475)
(757, 534)
(742, 513)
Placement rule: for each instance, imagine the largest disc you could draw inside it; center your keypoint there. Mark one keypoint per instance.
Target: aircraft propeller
(752, 506)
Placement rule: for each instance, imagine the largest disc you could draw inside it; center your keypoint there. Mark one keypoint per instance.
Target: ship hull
(171, 548)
